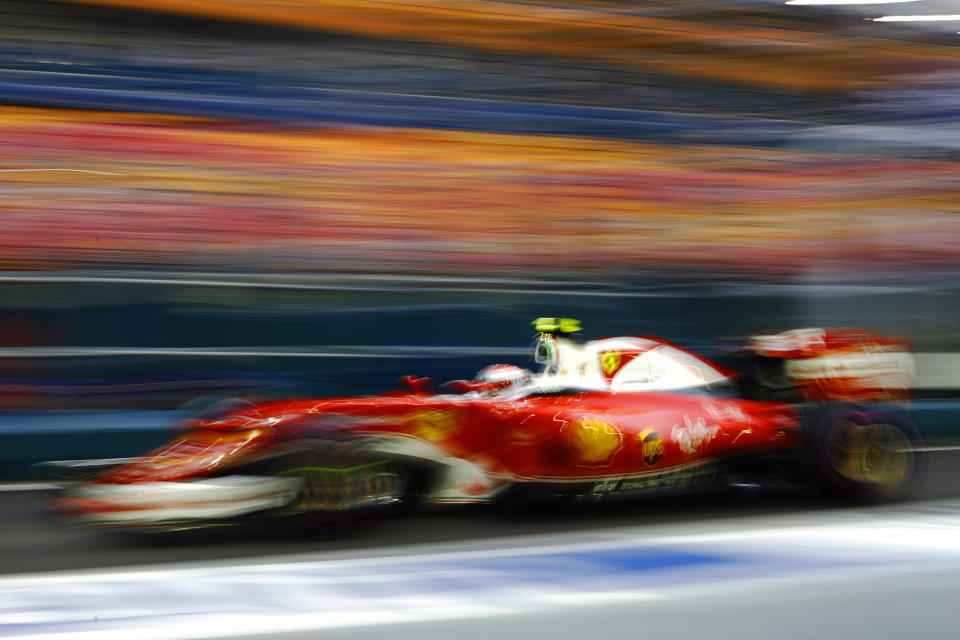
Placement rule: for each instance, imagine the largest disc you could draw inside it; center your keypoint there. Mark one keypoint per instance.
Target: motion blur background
(212, 198)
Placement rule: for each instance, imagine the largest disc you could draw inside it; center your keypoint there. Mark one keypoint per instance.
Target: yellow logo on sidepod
(433, 426)
(595, 440)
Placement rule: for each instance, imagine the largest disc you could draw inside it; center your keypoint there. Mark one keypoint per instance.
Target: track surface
(784, 566)
(30, 540)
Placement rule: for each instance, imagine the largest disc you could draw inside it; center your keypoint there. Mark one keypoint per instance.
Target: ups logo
(651, 446)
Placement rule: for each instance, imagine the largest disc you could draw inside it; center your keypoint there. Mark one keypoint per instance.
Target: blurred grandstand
(352, 135)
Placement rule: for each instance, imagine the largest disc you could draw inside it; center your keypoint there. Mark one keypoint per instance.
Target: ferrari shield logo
(611, 362)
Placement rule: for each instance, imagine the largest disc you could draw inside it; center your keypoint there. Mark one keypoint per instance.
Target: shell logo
(433, 426)
(595, 441)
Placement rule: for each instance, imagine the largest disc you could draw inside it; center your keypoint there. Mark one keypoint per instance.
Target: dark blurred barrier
(68, 341)
(30, 438)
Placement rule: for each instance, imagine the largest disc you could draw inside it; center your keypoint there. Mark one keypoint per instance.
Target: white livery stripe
(161, 502)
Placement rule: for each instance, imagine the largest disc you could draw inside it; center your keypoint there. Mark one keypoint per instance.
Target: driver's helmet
(501, 376)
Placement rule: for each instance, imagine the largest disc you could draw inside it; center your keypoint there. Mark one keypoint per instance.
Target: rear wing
(857, 365)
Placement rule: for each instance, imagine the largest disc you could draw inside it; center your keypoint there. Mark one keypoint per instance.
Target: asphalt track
(765, 565)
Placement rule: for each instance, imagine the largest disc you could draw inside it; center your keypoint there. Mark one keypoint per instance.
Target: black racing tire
(410, 480)
(868, 455)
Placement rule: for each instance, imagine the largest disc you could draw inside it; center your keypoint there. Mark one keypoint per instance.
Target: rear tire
(865, 454)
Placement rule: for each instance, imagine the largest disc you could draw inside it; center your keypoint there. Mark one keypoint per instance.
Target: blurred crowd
(97, 189)
(738, 137)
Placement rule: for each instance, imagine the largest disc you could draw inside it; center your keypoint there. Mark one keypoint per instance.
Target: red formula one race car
(607, 419)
